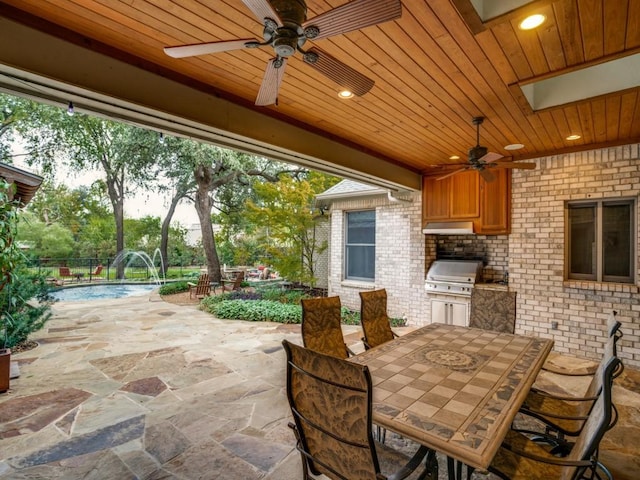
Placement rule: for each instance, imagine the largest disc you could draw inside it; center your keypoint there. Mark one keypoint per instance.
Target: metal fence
(94, 269)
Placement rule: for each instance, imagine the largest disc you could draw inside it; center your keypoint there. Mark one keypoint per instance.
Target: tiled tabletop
(453, 389)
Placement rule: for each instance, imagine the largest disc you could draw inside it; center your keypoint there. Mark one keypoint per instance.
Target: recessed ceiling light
(345, 94)
(514, 146)
(573, 137)
(532, 21)
(454, 157)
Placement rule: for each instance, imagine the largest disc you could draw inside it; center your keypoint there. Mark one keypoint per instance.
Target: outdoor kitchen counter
(493, 286)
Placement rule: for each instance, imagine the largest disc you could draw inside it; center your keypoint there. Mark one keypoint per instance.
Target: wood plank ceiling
(431, 73)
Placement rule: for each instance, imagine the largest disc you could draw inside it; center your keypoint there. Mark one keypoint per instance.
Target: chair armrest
(559, 371)
(562, 397)
(539, 413)
(551, 459)
(192, 284)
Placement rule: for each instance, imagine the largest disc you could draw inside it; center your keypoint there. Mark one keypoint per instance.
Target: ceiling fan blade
(524, 166)
(182, 51)
(451, 174)
(262, 9)
(354, 16)
(487, 175)
(268, 94)
(342, 74)
(490, 157)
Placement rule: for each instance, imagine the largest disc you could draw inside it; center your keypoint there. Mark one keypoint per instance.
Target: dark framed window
(360, 245)
(600, 240)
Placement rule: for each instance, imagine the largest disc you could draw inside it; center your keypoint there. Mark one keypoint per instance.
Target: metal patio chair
(374, 319)
(613, 330)
(520, 457)
(321, 331)
(567, 415)
(331, 403)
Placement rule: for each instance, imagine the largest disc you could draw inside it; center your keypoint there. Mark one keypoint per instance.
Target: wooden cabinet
(451, 198)
(467, 196)
(495, 204)
(450, 312)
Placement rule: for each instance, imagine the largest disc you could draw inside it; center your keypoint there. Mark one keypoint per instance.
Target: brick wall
(533, 254)
(400, 256)
(536, 252)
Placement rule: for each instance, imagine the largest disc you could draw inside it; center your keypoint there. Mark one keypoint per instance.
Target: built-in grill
(453, 277)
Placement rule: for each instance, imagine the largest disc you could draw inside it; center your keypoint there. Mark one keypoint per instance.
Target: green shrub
(254, 310)
(398, 322)
(349, 317)
(175, 287)
(21, 315)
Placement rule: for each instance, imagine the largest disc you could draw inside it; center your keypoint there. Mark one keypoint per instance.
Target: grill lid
(457, 271)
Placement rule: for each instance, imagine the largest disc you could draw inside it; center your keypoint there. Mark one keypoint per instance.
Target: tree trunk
(164, 236)
(203, 205)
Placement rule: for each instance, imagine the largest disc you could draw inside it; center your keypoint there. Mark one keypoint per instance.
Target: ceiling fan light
(532, 21)
(514, 146)
(573, 137)
(454, 157)
(345, 94)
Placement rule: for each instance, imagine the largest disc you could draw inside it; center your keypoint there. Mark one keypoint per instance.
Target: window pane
(360, 251)
(616, 239)
(582, 239)
(361, 227)
(361, 262)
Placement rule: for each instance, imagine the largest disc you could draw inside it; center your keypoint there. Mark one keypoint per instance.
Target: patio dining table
(453, 389)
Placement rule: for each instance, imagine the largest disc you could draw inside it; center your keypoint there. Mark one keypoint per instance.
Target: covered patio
(148, 389)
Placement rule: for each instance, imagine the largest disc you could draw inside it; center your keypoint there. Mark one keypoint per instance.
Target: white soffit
(608, 77)
(488, 9)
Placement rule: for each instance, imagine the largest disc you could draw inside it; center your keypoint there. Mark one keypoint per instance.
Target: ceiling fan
(481, 159)
(286, 30)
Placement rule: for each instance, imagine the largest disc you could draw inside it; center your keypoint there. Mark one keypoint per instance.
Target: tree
(287, 216)
(126, 155)
(46, 241)
(206, 174)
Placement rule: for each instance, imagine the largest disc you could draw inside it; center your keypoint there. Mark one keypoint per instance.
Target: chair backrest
(97, 271)
(596, 424)
(237, 282)
(65, 272)
(374, 319)
(595, 386)
(204, 285)
(321, 329)
(493, 310)
(331, 401)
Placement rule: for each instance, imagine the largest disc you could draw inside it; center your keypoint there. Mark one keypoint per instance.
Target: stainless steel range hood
(448, 228)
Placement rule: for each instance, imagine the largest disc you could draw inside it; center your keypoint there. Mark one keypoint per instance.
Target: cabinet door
(495, 199)
(435, 198)
(439, 311)
(458, 314)
(464, 195)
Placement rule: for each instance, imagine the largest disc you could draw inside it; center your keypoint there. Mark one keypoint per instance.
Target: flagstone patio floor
(139, 388)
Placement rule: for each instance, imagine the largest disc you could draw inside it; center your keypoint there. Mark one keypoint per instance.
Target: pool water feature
(102, 292)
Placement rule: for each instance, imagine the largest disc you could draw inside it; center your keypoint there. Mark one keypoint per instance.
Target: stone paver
(139, 388)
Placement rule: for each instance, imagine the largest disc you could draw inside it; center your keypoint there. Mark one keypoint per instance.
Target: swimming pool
(101, 292)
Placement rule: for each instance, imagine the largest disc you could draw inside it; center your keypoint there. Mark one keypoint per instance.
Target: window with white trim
(600, 240)
(360, 245)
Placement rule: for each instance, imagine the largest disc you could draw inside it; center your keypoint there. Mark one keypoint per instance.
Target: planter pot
(5, 369)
